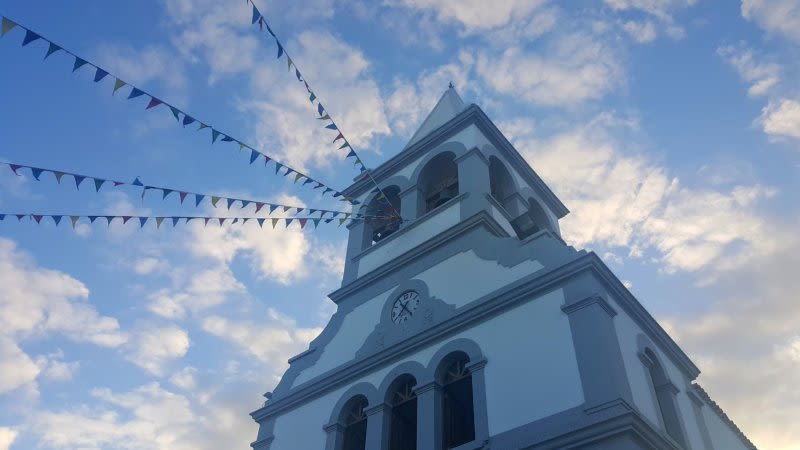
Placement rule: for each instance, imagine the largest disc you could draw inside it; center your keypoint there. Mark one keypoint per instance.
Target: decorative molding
(724, 417)
(262, 444)
(470, 152)
(588, 301)
(301, 354)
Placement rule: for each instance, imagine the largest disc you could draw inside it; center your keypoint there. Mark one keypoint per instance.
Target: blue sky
(670, 128)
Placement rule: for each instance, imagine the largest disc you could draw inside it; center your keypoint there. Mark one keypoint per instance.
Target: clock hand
(403, 306)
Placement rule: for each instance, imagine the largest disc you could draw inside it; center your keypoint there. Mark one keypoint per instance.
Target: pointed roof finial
(451, 86)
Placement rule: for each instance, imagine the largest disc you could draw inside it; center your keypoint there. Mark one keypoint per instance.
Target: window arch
(403, 419)
(665, 393)
(354, 421)
(382, 215)
(438, 181)
(500, 183)
(532, 221)
(458, 406)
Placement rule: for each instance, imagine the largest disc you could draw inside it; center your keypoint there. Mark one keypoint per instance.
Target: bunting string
(324, 115)
(180, 115)
(174, 220)
(182, 195)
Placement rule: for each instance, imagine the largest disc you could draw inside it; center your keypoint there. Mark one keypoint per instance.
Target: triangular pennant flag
(297, 74)
(329, 220)
(316, 222)
(288, 171)
(230, 202)
(351, 154)
(288, 221)
(272, 208)
(37, 217)
(269, 29)
(259, 205)
(339, 136)
(319, 185)
(346, 144)
(260, 222)
(165, 193)
(226, 138)
(308, 180)
(261, 23)
(118, 183)
(137, 182)
(205, 220)
(78, 180)
(158, 221)
(198, 198)
(214, 201)
(118, 84)
(312, 97)
(288, 63)
(245, 203)
(187, 120)
(331, 126)
(92, 218)
(153, 103)
(8, 25)
(286, 208)
(253, 156)
(274, 221)
(183, 196)
(97, 183)
(20, 216)
(327, 189)
(125, 219)
(302, 223)
(57, 219)
(214, 135)
(320, 109)
(109, 219)
(99, 74)
(307, 88)
(325, 117)
(30, 36)
(256, 15)
(135, 92)
(78, 63)
(280, 50)
(58, 176)
(221, 220)
(235, 220)
(74, 220)
(299, 210)
(341, 221)
(175, 112)
(142, 221)
(312, 211)
(37, 172)
(202, 125)
(298, 176)
(52, 49)
(175, 220)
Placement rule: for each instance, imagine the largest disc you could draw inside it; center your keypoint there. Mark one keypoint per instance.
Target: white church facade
(471, 324)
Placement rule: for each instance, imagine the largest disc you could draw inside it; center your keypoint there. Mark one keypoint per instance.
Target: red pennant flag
(125, 219)
(259, 205)
(340, 136)
(36, 217)
(302, 223)
(183, 196)
(153, 103)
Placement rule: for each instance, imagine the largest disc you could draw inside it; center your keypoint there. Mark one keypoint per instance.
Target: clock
(404, 306)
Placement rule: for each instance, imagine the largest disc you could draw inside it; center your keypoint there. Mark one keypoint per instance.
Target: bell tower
(464, 321)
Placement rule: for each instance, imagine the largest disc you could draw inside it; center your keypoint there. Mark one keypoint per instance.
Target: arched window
(458, 411)
(355, 424)
(665, 396)
(438, 181)
(403, 424)
(500, 183)
(383, 215)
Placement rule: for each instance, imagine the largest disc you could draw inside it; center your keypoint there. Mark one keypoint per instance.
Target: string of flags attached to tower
(387, 211)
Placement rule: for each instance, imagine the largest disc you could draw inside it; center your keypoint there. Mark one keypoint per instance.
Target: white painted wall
(722, 436)
(386, 251)
(531, 373)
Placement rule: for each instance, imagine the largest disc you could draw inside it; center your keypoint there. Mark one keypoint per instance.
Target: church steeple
(448, 106)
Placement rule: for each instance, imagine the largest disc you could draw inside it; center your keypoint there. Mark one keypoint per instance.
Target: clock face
(404, 306)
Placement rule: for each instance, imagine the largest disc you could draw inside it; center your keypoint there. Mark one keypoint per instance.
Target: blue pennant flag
(36, 172)
(227, 138)
(187, 120)
(97, 183)
(137, 182)
(78, 63)
(253, 156)
(30, 36)
(198, 198)
(51, 49)
(256, 14)
(297, 74)
(92, 218)
(320, 109)
(56, 219)
(99, 74)
(142, 221)
(280, 49)
(78, 180)
(175, 220)
(230, 202)
(272, 208)
(214, 135)
(352, 153)
(165, 193)
(135, 92)
(331, 126)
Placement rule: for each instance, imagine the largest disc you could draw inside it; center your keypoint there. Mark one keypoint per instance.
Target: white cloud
(781, 118)
(36, 300)
(762, 76)
(53, 367)
(152, 348)
(273, 340)
(185, 378)
(16, 366)
(145, 266)
(661, 9)
(774, 16)
(474, 15)
(144, 65)
(621, 199)
(7, 437)
(578, 68)
(641, 32)
(204, 289)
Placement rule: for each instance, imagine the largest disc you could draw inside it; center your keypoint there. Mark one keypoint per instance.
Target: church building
(465, 322)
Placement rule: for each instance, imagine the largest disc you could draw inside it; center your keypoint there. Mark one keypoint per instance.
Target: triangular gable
(448, 106)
